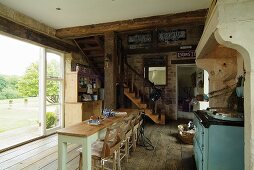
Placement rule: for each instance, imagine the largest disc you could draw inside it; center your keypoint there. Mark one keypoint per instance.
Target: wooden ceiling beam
(96, 55)
(11, 28)
(96, 48)
(185, 18)
(86, 41)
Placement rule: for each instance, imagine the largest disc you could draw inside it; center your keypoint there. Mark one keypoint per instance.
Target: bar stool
(106, 150)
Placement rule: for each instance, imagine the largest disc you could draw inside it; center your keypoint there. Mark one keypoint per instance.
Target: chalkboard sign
(186, 54)
(171, 35)
(140, 40)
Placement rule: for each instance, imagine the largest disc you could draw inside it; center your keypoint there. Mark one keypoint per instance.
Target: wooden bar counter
(85, 134)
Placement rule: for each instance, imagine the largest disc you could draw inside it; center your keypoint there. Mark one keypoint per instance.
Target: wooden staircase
(93, 50)
(140, 94)
(143, 106)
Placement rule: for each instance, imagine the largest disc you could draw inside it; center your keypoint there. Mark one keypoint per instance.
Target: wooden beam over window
(20, 31)
(193, 17)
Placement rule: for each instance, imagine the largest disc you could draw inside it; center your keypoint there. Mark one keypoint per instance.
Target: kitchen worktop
(206, 119)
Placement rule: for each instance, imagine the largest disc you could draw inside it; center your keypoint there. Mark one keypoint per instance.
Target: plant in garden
(51, 119)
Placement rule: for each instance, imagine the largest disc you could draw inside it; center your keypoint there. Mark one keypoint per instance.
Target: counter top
(85, 129)
(207, 120)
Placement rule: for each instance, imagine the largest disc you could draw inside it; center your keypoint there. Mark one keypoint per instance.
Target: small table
(85, 134)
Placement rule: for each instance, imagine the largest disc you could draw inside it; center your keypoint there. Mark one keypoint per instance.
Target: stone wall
(170, 89)
(168, 102)
(222, 66)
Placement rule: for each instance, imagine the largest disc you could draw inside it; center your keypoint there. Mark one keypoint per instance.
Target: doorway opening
(31, 91)
(192, 87)
(185, 90)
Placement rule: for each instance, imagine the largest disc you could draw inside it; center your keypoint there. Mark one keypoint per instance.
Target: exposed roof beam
(22, 32)
(97, 48)
(96, 55)
(198, 16)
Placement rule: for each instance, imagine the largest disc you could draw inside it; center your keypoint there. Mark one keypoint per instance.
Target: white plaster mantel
(231, 25)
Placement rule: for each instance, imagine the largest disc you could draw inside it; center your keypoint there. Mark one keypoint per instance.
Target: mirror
(157, 75)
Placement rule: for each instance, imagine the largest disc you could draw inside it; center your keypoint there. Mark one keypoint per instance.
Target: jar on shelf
(94, 84)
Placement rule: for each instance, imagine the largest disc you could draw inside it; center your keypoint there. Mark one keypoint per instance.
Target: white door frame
(42, 91)
(177, 66)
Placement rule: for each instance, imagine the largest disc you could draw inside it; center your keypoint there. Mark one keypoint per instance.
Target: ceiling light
(58, 9)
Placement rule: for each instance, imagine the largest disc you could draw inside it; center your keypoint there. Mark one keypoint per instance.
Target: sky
(16, 55)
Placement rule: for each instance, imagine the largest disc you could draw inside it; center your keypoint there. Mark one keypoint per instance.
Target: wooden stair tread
(154, 117)
(140, 105)
(136, 101)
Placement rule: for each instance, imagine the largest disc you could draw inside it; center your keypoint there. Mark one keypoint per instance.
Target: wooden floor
(169, 153)
(18, 136)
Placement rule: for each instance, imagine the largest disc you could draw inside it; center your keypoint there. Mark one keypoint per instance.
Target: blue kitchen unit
(218, 142)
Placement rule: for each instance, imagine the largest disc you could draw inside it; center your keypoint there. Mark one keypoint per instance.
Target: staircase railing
(144, 91)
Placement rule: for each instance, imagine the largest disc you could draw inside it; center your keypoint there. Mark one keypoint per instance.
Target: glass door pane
(54, 69)
(19, 88)
(53, 106)
(54, 90)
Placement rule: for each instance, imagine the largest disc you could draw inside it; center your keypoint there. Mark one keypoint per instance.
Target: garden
(19, 101)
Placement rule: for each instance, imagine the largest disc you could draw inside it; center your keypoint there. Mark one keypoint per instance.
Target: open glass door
(19, 86)
(54, 91)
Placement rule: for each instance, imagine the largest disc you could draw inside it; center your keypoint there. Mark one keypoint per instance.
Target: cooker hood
(226, 51)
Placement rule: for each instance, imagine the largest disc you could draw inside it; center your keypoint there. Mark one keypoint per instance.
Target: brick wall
(167, 104)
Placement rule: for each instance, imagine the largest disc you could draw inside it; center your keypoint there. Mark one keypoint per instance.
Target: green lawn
(18, 114)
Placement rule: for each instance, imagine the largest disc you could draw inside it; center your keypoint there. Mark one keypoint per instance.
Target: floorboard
(169, 153)
(11, 154)
(18, 136)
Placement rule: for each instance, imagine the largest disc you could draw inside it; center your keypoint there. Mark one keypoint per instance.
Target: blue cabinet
(218, 146)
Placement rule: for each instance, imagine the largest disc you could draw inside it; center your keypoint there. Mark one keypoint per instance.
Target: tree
(9, 93)
(28, 86)
(52, 93)
(8, 88)
(12, 81)
(3, 83)
(52, 86)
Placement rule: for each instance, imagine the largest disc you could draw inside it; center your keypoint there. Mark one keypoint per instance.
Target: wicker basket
(185, 135)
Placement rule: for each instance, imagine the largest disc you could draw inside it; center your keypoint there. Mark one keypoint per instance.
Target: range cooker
(219, 140)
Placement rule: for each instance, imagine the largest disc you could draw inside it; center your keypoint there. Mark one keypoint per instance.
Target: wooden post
(121, 73)
(110, 71)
